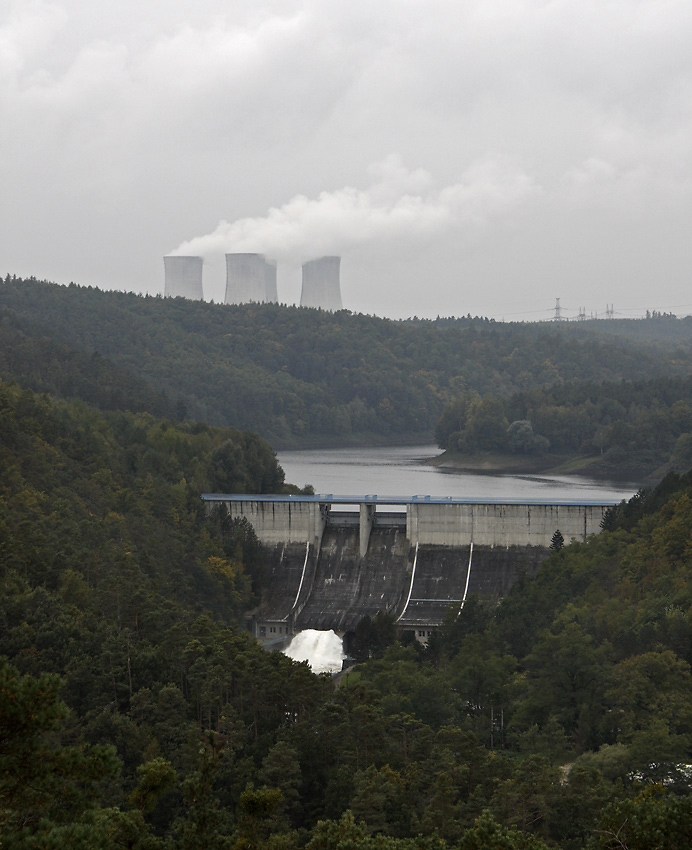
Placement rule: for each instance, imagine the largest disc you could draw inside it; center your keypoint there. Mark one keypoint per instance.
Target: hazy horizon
(482, 158)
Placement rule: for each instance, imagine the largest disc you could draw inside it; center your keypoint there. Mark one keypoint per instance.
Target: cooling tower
(183, 277)
(249, 277)
(272, 295)
(321, 286)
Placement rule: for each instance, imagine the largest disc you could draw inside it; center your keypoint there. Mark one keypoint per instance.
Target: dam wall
(444, 576)
(278, 521)
(335, 560)
(500, 524)
(348, 587)
(429, 521)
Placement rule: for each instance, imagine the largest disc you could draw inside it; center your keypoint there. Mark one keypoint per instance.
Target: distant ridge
(310, 377)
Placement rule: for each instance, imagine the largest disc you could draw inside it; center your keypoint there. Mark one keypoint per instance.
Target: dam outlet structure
(334, 560)
(183, 277)
(321, 284)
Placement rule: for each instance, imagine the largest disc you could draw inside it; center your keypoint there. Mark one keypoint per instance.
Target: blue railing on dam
(329, 499)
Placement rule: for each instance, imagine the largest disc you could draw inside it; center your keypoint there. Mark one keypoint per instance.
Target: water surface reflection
(400, 471)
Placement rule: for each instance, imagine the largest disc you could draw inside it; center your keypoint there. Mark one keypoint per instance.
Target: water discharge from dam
(322, 650)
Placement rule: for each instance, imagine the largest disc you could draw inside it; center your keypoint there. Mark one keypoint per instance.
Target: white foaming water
(323, 651)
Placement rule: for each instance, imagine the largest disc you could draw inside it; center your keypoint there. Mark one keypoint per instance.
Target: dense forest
(632, 427)
(118, 495)
(46, 365)
(300, 376)
(136, 712)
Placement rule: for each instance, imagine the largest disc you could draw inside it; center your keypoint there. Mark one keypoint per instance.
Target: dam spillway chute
(323, 650)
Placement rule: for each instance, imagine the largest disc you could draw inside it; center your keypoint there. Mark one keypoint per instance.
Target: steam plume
(400, 206)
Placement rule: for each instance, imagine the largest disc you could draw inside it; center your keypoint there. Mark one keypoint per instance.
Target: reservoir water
(401, 471)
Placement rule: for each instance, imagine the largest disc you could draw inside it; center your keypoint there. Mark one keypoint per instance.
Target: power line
(568, 314)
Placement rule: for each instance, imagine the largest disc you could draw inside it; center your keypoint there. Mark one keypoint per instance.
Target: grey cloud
(147, 123)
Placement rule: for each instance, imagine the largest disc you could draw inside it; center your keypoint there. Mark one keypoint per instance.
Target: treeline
(296, 375)
(129, 717)
(661, 329)
(630, 426)
(113, 501)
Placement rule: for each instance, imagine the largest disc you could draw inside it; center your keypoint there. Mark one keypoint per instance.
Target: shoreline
(496, 463)
(563, 465)
(364, 441)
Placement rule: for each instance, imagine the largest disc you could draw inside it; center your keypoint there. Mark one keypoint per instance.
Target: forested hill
(44, 364)
(110, 504)
(130, 718)
(297, 375)
(631, 427)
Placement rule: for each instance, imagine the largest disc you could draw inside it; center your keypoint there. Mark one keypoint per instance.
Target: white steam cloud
(401, 206)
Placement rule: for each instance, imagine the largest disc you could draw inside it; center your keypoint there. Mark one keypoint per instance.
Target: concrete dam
(336, 559)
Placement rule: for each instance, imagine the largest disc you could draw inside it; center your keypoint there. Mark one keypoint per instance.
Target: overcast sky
(463, 156)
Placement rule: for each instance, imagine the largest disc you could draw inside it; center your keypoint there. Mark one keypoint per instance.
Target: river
(401, 471)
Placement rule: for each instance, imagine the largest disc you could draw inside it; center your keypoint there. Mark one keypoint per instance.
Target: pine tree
(557, 541)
